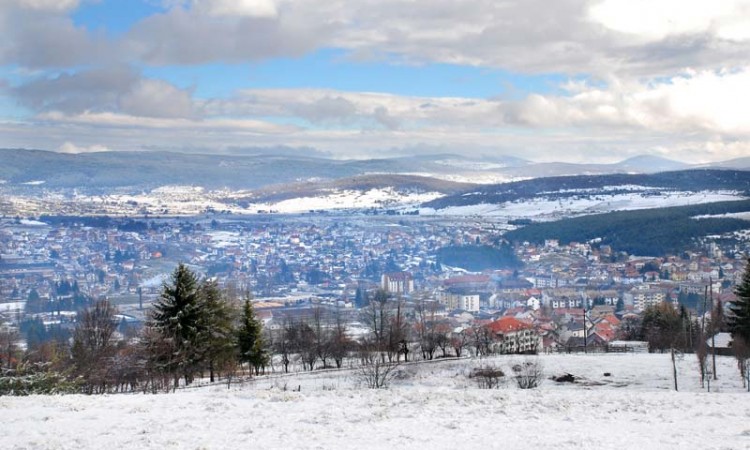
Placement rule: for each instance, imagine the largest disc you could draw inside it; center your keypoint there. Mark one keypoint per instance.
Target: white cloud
(252, 8)
(69, 147)
(47, 5)
(122, 121)
(39, 34)
(705, 101)
(115, 89)
(654, 20)
(157, 98)
(203, 34)
(359, 110)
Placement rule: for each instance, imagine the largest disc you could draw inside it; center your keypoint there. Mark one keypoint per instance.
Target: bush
(529, 375)
(30, 382)
(488, 377)
(376, 373)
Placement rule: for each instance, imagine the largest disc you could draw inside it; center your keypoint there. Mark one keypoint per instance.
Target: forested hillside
(576, 186)
(645, 232)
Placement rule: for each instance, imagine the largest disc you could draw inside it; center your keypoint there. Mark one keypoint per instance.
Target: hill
(433, 405)
(556, 188)
(363, 183)
(649, 232)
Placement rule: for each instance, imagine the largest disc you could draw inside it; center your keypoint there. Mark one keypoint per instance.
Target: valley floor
(433, 406)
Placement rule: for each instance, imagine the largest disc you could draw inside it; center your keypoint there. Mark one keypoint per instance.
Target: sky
(563, 80)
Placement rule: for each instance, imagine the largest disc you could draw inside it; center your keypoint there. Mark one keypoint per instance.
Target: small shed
(723, 343)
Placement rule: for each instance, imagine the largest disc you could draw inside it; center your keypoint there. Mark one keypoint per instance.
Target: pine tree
(739, 317)
(250, 339)
(176, 317)
(215, 339)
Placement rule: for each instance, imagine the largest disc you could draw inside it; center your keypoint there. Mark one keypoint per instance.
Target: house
(722, 343)
(459, 299)
(397, 282)
(514, 336)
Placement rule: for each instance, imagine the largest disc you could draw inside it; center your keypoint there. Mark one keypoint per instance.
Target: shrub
(529, 374)
(488, 377)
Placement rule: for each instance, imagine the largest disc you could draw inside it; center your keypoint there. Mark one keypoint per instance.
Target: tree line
(670, 329)
(655, 232)
(194, 330)
(197, 331)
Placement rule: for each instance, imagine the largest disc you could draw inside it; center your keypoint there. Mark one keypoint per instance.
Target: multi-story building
(397, 282)
(513, 336)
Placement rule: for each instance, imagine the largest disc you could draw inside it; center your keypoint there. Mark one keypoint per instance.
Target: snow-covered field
(434, 406)
(544, 209)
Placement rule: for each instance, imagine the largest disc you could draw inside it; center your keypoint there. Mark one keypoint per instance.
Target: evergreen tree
(739, 317)
(663, 327)
(176, 317)
(215, 339)
(250, 339)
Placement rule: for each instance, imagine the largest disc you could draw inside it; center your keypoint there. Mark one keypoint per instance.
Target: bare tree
(425, 326)
(93, 345)
(377, 317)
(322, 335)
(482, 340)
(282, 344)
(741, 351)
(302, 341)
(375, 373)
(8, 347)
(701, 352)
(459, 341)
(396, 332)
(340, 342)
(442, 339)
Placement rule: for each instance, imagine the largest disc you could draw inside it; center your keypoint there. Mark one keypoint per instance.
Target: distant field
(432, 406)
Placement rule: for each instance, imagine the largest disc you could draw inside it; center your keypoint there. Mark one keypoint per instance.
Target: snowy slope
(545, 209)
(431, 406)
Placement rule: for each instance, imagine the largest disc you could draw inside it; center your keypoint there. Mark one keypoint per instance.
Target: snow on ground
(32, 223)
(348, 199)
(545, 209)
(222, 239)
(739, 215)
(430, 405)
(12, 306)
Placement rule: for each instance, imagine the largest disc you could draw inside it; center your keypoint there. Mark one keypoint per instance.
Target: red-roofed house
(514, 336)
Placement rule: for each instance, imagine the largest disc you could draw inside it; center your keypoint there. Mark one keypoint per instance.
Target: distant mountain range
(440, 184)
(147, 170)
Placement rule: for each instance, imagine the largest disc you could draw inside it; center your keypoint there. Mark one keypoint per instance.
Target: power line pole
(713, 326)
(585, 333)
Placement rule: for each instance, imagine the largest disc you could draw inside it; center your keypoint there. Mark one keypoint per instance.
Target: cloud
(157, 98)
(197, 36)
(646, 20)
(357, 110)
(69, 147)
(46, 5)
(112, 89)
(713, 102)
(109, 120)
(39, 34)
(601, 38)
(96, 89)
(251, 8)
